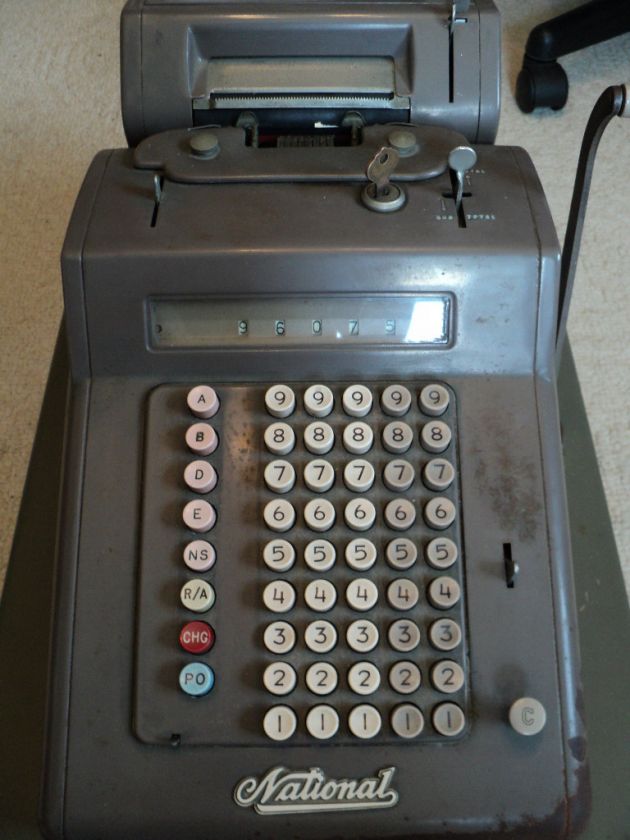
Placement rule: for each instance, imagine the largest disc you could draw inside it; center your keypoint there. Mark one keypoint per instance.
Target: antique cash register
(314, 577)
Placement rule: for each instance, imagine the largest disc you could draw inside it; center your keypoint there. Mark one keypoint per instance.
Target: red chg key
(196, 637)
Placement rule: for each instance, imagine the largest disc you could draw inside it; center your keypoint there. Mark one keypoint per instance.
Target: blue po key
(196, 679)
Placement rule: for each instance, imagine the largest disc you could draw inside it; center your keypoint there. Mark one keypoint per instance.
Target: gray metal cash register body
(129, 754)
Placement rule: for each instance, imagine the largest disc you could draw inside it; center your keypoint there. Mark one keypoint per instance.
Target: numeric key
(435, 436)
(318, 400)
(358, 475)
(319, 476)
(320, 595)
(395, 400)
(279, 723)
(362, 635)
(447, 676)
(364, 678)
(319, 438)
(279, 515)
(320, 555)
(361, 594)
(280, 476)
(322, 722)
(279, 555)
(319, 515)
(358, 438)
(279, 678)
(320, 636)
(400, 514)
(321, 678)
(404, 635)
(279, 596)
(357, 400)
(402, 594)
(433, 400)
(405, 677)
(280, 401)
(359, 514)
(279, 637)
(364, 721)
(279, 438)
(438, 474)
(397, 437)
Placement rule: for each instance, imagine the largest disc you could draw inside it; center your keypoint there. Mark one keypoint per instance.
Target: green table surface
(603, 613)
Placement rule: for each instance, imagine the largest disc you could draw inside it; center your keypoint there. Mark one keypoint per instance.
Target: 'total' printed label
(196, 637)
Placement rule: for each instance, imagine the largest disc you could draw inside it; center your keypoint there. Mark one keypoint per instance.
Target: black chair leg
(542, 83)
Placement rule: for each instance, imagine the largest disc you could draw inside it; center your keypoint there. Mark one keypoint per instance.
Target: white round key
(203, 401)
(320, 636)
(319, 475)
(279, 596)
(445, 634)
(279, 723)
(441, 553)
(435, 436)
(320, 555)
(358, 438)
(405, 677)
(319, 400)
(359, 514)
(320, 595)
(401, 553)
(397, 437)
(199, 516)
(404, 635)
(362, 635)
(279, 555)
(364, 721)
(200, 476)
(322, 722)
(279, 637)
(447, 676)
(280, 401)
(439, 513)
(199, 556)
(448, 719)
(433, 400)
(321, 678)
(319, 437)
(201, 438)
(364, 678)
(396, 400)
(279, 678)
(443, 593)
(402, 594)
(400, 514)
(279, 438)
(279, 515)
(197, 595)
(361, 594)
(527, 716)
(360, 554)
(280, 476)
(357, 400)
(398, 475)
(438, 474)
(407, 720)
(319, 515)
(358, 475)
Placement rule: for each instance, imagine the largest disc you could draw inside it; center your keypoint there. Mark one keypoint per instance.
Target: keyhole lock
(380, 194)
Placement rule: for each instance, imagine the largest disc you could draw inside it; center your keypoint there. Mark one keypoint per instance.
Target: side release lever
(612, 103)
